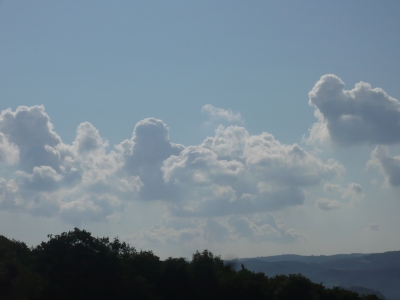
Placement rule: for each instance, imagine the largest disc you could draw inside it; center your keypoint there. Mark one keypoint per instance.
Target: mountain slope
(378, 271)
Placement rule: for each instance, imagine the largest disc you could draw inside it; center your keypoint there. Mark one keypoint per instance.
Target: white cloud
(78, 182)
(29, 128)
(231, 173)
(346, 117)
(43, 178)
(88, 139)
(143, 156)
(388, 165)
(218, 114)
(235, 172)
(9, 153)
(90, 207)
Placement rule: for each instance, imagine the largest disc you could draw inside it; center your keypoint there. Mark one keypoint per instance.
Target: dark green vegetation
(76, 265)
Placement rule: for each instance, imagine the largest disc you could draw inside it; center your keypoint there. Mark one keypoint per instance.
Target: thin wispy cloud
(216, 114)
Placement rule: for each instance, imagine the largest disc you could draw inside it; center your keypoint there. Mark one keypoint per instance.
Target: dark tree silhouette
(76, 265)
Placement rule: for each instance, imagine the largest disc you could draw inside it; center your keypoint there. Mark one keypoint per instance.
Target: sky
(248, 128)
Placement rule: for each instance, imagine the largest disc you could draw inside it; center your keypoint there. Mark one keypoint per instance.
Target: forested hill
(307, 258)
(376, 272)
(76, 265)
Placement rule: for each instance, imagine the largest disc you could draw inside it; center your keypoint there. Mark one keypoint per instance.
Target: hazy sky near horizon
(249, 128)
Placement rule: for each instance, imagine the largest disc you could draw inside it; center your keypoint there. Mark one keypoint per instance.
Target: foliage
(76, 265)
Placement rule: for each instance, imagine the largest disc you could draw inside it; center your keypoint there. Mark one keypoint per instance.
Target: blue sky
(205, 124)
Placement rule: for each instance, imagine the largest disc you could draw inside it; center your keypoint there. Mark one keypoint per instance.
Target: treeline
(76, 265)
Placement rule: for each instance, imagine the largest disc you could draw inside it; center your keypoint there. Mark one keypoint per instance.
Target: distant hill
(364, 291)
(307, 259)
(379, 272)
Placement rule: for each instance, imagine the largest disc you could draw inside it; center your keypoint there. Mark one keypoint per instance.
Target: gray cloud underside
(348, 117)
(232, 172)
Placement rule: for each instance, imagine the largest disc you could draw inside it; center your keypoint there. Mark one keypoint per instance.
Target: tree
(175, 279)
(17, 280)
(78, 266)
(204, 269)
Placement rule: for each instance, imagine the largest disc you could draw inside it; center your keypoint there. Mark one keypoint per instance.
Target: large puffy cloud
(29, 128)
(88, 139)
(232, 172)
(81, 181)
(235, 172)
(388, 165)
(78, 182)
(346, 117)
(143, 156)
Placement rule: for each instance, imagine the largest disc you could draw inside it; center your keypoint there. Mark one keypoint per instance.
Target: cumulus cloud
(347, 117)
(388, 165)
(78, 182)
(29, 128)
(218, 114)
(9, 153)
(143, 155)
(235, 172)
(88, 139)
(43, 178)
(231, 173)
